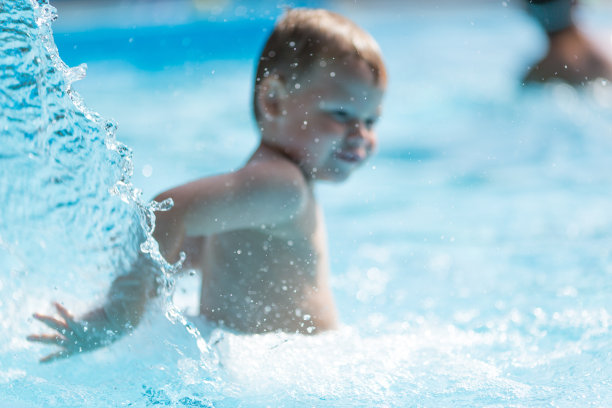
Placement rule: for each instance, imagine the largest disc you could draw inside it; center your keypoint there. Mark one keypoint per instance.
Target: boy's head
(319, 72)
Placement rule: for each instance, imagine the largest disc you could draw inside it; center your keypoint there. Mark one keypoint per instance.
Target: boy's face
(328, 124)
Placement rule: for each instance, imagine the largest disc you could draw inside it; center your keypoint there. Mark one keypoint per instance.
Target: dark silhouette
(571, 56)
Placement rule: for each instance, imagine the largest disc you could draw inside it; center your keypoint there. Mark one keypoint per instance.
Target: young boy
(257, 234)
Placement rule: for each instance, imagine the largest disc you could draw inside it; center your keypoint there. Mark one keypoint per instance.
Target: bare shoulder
(277, 181)
(268, 190)
(278, 172)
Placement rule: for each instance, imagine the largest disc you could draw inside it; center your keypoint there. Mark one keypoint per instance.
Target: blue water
(470, 259)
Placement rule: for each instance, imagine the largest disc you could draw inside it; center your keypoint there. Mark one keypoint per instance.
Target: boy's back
(273, 272)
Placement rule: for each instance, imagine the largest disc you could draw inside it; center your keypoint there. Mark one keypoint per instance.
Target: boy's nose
(360, 135)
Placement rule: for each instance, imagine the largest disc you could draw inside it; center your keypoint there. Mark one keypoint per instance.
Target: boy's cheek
(374, 144)
(332, 128)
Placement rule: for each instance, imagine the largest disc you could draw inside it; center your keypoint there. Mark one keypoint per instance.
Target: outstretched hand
(71, 335)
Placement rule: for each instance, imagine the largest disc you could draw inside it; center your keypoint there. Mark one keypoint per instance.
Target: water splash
(67, 200)
(50, 144)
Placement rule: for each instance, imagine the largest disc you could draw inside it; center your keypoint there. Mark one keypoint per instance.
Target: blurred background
(153, 66)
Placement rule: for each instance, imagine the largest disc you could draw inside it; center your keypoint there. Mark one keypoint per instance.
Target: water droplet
(147, 170)
(165, 205)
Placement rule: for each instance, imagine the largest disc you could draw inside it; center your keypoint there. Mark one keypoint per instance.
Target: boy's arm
(121, 312)
(260, 194)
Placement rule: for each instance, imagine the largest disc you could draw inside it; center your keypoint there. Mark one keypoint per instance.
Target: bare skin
(572, 58)
(257, 234)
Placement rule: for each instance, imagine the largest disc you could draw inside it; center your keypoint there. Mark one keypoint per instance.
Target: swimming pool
(470, 259)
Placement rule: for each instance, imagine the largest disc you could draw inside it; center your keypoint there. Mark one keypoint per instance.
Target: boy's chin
(332, 176)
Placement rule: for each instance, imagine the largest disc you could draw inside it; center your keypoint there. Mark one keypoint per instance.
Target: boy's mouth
(350, 156)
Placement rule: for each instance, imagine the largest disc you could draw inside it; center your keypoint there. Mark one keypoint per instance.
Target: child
(257, 234)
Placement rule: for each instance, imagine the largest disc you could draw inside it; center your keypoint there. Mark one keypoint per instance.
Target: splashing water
(62, 165)
(68, 205)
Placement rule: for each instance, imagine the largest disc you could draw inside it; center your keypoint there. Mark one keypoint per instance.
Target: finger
(63, 312)
(68, 317)
(47, 339)
(52, 322)
(55, 356)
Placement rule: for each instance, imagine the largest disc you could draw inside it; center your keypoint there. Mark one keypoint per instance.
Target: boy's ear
(271, 97)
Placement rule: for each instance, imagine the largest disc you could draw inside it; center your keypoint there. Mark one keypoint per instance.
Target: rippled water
(68, 206)
(471, 259)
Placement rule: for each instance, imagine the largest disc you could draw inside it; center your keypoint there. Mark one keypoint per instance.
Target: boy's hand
(72, 336)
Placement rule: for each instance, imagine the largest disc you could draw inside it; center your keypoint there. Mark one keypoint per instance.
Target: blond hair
(303, 37)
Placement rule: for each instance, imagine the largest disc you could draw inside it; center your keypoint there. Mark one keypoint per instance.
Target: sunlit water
(471, 258)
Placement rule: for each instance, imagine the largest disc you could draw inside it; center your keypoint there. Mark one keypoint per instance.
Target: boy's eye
(370, 122)
(340, 115)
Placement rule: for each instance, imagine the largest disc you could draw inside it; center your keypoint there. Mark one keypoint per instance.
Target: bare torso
(264, 257)
(269, 277)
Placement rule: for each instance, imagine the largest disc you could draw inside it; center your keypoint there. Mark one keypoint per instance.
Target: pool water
(470, 258)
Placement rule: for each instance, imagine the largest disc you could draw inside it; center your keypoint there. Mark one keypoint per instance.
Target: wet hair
(304, 38)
